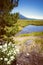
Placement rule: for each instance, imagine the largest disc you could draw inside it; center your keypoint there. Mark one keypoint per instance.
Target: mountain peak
(22, 17)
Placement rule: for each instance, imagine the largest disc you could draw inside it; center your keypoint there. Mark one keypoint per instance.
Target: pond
(31, 28)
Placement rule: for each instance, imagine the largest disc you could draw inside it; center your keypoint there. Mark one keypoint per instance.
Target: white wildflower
(9, 43)
(5, 59)
(17, 50)
(12, 57)
(5, 45)
(4, 49)
(9, 62)
(14, 52)
(0, 47)
(1, 58)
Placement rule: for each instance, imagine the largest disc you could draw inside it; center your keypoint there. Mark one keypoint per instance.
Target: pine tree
(6, 20)
(8, 28)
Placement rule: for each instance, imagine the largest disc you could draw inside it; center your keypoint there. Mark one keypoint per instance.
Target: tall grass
(32, 34)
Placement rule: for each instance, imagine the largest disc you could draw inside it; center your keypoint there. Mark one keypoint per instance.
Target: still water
(31, 28)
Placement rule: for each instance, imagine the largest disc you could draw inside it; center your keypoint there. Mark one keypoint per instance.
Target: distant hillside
(23, 17)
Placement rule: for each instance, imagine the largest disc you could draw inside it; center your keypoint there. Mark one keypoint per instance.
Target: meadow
(32, 37)
(30, 45)
(23, 22)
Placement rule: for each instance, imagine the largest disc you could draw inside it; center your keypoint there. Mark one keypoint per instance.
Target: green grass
(23, 22)
(32, 34)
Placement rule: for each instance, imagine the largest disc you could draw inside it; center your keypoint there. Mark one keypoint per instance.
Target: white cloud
(35, 17)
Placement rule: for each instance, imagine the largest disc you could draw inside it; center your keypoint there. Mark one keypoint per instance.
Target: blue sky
(30, 8)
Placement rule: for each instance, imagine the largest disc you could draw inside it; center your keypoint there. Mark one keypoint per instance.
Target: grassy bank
(32, 34)
(22, 38)
(23, 22)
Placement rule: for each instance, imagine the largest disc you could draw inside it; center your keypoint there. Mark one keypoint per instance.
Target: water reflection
(31, 28)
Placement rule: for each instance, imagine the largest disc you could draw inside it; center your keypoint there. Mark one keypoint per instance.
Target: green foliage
(7, 30)
(7, 5)
(8, 25)
(7, 20)
(11, 19)
(11, 27)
